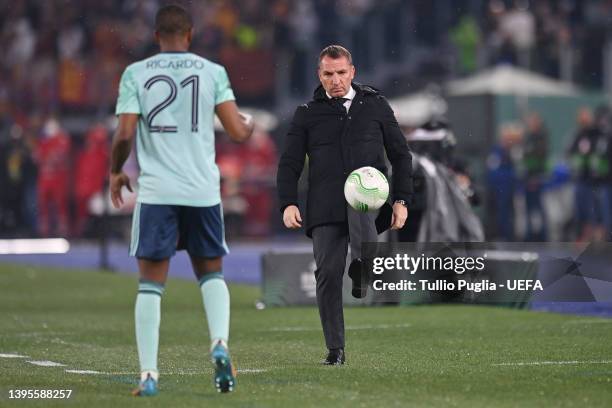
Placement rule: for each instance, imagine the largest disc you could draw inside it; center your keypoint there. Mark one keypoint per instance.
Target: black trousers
(330, 246)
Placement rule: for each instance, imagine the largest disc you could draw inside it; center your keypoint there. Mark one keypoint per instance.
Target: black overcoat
(336, 143)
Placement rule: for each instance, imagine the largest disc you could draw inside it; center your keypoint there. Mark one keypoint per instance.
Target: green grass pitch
(427, 356)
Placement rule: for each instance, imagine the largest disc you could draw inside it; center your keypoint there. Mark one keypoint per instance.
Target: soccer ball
(366, 189)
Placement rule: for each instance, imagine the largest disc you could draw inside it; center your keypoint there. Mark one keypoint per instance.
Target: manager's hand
(400, 214)
(292, 217)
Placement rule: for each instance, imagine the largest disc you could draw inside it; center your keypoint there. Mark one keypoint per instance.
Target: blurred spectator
(71, 75)
(6, 124)
(518, 27)
(32, 131)
(600, 164)
(71, 38)
(248, 174)
(551, 38)
(16, 177)
(502, 179)
(499, 44)
(580, 152)
(6, 118)
(304, 25)
(327, 14)
(53, 158)
(594, 34)
(17, 173)
(466, 38)
(353, 19)
(22, 39)
(90, 175)
(535, 167)
(259, 159)
(231, 167)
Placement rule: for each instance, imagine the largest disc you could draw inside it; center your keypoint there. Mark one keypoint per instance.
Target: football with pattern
(366, 189)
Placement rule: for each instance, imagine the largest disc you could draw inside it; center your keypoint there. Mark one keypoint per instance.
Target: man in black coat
(346, 126)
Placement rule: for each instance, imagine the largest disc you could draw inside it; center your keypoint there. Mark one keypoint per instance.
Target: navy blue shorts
(159, 230)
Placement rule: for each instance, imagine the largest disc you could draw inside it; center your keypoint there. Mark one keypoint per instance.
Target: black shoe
(335, 357)
(360, 285)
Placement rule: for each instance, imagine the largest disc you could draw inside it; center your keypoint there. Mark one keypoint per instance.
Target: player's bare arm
(120, 151)
(239, 126)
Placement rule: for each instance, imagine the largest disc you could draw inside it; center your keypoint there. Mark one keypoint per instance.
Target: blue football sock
(217, 305)
(147, 316)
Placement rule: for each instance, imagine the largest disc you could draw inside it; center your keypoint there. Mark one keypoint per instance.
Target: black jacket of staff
(337, 143)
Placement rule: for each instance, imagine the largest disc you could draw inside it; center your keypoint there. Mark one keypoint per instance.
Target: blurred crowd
(561, 39)
(67, 55)
(49, 180)
(63, 59)
(535, 199)
(53, 183)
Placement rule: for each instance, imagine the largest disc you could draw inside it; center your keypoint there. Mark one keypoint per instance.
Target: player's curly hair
(335, 51)
(172, 20)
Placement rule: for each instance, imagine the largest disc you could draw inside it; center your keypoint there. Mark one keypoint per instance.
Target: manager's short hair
(334, 52)
(172, 20)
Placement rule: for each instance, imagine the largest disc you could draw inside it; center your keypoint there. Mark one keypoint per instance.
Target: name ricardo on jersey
(175, 64)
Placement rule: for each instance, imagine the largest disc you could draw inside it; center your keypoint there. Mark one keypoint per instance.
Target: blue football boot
(146, 388)
(225, 375)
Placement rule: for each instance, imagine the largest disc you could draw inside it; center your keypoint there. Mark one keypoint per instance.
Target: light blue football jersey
(175, 94)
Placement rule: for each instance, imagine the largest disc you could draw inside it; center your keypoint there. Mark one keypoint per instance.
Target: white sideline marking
(291, 329)
(46, 363)
(378, 326)
(589, 321)
(34, 246)
(45, 334)
(357, 327)
(163, 373)
(537, 363)
(2, 355)
(84, 372)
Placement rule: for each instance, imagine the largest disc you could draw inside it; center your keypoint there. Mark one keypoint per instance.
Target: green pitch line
(426, 356)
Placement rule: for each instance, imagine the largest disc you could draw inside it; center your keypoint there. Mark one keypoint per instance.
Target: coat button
(349, 117)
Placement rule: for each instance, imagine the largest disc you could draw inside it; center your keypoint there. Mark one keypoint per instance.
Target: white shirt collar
(349, 95)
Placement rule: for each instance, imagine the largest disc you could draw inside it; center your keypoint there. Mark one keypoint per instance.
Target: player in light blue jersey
(168, 102)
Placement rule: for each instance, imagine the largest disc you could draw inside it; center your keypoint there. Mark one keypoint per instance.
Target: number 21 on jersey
(192, 80)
